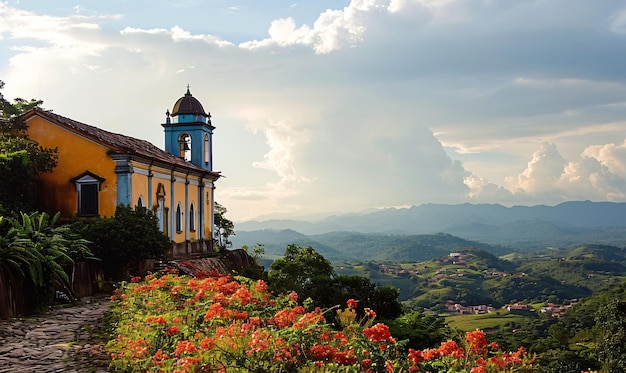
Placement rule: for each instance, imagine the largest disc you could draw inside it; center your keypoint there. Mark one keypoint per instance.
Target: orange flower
(477, 341)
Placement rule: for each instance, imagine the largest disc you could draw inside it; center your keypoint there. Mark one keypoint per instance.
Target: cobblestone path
(62, 340)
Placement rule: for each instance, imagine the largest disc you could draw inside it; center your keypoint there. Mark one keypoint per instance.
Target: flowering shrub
(217, 324)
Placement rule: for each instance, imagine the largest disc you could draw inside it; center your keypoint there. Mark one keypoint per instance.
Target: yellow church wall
(76, 156)
(139, 182)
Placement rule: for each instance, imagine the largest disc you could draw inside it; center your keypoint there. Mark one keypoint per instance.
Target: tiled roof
(117, 142)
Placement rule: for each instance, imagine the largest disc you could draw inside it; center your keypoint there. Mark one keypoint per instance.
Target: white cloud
(612, 156)
(599, 174)
(544, 169)
(333, 29)
(337, 114)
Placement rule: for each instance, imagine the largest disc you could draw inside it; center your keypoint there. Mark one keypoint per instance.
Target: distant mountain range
(518, 228)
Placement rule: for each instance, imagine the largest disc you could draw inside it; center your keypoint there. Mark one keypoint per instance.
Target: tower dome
(189, 132)
(188, 105)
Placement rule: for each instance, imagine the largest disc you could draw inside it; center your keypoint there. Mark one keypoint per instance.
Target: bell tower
(189, 132)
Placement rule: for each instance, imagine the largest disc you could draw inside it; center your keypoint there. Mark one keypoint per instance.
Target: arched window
(206, 148)
(179, 219)
(184, 147)
(162, 211)
(140, 202)
(192, 218)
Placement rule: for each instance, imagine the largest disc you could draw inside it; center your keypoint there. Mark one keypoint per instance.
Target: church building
(99, 170)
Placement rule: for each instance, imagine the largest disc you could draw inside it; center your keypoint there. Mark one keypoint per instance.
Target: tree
(301, 269)
(310, 275)
(224, 228)
(21, 159)
(611, 346)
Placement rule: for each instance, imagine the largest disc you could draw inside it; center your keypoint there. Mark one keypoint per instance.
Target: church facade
(99, 170)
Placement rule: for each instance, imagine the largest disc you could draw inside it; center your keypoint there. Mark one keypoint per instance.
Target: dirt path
(62, 340)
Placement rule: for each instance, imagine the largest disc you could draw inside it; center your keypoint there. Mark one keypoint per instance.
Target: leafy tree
(123, 241)
(301, 269)
(420, 330)
(15, 169)
(21, 159)
(256, 271)
(224, 228)
(611, 345)
(308, 273)
(564, 361)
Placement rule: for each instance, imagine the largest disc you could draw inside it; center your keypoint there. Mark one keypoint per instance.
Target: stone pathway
(65, 339)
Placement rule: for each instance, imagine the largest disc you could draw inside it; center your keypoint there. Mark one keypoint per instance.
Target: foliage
(420, 330)
(35, 248)
(309, 274)
(179, 324)
(224, 228)
(17, 258)
(15, 169)
(10, 120)
(124, 240)
(611, 345)
(55, 247)
(255, 271)
(301, 269)
(21, 159)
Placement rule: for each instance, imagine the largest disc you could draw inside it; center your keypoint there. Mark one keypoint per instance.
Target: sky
(332, 107)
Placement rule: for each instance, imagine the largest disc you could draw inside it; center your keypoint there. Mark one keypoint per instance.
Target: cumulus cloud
(351, 110)
(598, 174)
(333, 29)
(282, 140)
(612, 156)
(544, 169)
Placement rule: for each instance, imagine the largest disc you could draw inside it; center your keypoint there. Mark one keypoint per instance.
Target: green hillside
(473, 276)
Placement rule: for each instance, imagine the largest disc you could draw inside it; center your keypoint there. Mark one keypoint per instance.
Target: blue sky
(333, 107)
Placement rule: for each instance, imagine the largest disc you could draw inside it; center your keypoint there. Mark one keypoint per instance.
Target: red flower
(293, 296)
(351, 303)
(416, 356)
(207, 343)
(261, 285)
(185, 347)
(378, 333)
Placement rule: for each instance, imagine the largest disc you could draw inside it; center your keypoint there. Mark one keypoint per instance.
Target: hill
(521, 228)
(474, 276)
(356, 247)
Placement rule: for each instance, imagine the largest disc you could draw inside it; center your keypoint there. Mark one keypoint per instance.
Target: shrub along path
(62, 340)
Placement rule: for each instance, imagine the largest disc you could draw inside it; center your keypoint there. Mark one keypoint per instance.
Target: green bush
(122, 242)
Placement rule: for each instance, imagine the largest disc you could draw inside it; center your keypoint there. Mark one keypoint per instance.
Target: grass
(488, 321)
